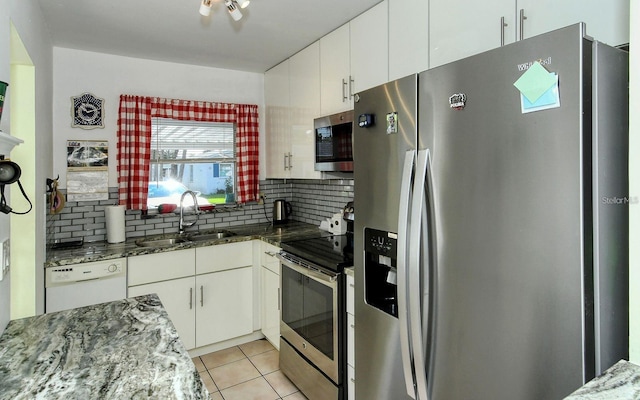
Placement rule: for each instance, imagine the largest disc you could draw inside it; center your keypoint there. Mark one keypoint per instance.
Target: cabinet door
(460, 28)
(271, 306)
(224, 308)
(370, 48)
(304, 83)
(408, 37)
(607, 21)
(178, 298)
(278, 120)
(223, 256)
(335, 68)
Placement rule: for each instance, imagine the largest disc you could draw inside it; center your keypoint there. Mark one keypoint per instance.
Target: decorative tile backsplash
(312, 201)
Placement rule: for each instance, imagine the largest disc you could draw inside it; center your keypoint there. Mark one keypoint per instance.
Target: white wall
(634, 185)
(29, 23)
(108, 76)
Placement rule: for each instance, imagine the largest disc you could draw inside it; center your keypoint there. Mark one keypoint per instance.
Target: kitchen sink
(199, 237)
(161, 242)
(164, 241)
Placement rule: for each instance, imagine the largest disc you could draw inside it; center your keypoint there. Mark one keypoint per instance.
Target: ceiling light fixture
(205, 8)
(233, 6)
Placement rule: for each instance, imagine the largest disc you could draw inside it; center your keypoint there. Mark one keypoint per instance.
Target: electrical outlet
(262, 198)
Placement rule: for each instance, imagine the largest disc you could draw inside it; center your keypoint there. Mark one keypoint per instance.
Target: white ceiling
(173, 30)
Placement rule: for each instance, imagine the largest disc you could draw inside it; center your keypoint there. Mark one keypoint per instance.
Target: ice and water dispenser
(380, 256)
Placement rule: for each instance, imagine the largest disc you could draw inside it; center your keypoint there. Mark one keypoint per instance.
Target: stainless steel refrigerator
(491, 241)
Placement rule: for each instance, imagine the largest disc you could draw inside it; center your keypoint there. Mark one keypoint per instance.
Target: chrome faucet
(182, 224)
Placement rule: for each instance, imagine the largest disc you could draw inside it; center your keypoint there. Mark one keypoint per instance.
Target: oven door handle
(325, 279)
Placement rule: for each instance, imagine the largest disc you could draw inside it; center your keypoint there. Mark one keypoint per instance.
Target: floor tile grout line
(246, 356)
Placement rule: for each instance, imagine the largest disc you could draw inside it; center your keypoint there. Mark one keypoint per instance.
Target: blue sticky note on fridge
(549, 99)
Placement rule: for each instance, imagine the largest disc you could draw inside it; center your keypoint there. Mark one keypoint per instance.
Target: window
(194, 155)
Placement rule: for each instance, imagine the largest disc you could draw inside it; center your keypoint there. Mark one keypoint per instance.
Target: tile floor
(246, 372)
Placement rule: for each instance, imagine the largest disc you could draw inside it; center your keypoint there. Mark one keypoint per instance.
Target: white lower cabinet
(270, 293)
(207, 292)
(271, 306)
(351, 336)
(177, 296)
(224, 308)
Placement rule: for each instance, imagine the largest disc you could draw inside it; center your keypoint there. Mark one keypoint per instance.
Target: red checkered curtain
(245, 116)
(134, 151)
(247, 152)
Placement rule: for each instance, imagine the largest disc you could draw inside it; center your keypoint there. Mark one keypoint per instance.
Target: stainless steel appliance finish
(281, 211)
(334, 142)
(500, 236)
(313, 314)
(310, 312)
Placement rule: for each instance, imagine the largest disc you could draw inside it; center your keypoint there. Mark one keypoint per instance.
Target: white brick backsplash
(312, 201)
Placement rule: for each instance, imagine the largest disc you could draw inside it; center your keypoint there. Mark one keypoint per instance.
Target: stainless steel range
(313, 319)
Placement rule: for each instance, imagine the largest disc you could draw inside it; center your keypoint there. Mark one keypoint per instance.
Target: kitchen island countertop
(122, 349)
(620, 382)
(97, 251)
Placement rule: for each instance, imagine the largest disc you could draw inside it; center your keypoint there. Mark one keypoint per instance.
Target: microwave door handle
(403, 246)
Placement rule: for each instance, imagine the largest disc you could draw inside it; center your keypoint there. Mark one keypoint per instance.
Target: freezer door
(513, 227)
(380, 151)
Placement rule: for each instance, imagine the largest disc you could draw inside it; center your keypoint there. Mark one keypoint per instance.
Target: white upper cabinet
(408, 37)
(459, 28)
(607, 21)
(369, 42)
(304, 86)
(335, 71)
(278, 120)
(353, 58)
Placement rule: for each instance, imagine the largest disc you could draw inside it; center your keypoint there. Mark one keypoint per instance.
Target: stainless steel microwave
(334, 142)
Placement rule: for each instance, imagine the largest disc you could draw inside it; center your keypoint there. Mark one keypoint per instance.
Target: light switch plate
(2, 251)
(5, 258)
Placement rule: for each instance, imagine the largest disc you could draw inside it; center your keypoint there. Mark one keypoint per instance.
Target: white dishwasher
(86, 284)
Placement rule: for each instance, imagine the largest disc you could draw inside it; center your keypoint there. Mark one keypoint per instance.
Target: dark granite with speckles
(97, 251)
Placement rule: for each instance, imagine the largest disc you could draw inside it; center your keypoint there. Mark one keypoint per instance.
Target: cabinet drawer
(268, 257)
(160, 266)
(350, 295)
(351, 340)
(223, 257)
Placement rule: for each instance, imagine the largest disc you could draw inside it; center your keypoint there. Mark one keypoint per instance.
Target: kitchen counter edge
(98, 251)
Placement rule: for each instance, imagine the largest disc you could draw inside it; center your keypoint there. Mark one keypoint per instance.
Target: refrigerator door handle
(403, 246)
(418, 273)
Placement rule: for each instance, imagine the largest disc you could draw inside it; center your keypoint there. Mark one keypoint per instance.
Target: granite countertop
(122, 349)
(97, 251)
(620, 382)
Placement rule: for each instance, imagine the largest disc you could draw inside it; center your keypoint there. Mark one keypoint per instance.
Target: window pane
(174, 139)
(191, 155)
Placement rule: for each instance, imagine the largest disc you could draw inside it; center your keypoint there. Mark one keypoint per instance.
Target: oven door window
(307, 308)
